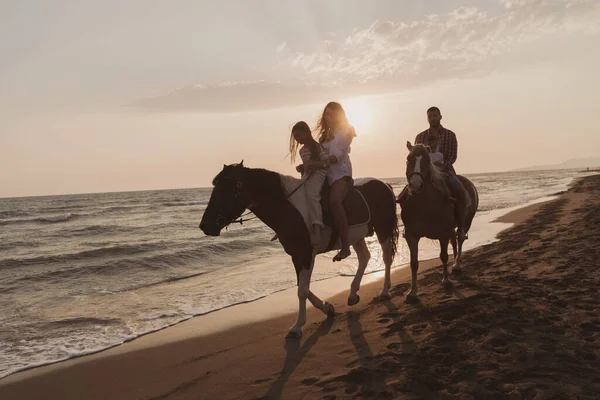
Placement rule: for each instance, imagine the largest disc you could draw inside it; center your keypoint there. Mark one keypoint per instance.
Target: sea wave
(128, 268)
(62, 322)
(110, 339)
(93, 230)
(185, 203)
(51, 219)
(122, 250)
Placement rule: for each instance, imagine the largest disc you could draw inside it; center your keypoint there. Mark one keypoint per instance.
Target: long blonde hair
(324, 129)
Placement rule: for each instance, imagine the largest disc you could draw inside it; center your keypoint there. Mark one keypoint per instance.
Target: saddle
(357, 213)
(355, 205)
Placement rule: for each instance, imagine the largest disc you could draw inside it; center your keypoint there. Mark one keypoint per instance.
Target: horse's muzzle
(208, 231)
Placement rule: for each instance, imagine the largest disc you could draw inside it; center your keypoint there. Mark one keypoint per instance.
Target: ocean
(82, 273)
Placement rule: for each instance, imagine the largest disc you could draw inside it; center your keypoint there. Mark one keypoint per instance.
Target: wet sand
(521, 321)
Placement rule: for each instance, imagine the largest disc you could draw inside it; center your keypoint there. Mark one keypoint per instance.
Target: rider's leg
(458, 192)
(315, 213)
(338, 191)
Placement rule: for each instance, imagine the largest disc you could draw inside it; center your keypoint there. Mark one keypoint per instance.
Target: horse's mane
(438, 179)
(265, 183)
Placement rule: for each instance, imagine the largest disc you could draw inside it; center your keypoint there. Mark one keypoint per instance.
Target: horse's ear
(409, 146)
(242, 163)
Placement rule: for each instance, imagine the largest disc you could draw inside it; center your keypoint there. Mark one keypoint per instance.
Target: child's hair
(302, 126)
(432, 141)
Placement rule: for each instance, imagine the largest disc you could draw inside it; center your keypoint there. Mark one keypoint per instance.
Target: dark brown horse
(428, 211)
(237, 188)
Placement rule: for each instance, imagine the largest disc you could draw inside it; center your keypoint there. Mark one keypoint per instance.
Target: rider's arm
(321, 163)
(451, 153)
(316, 164)
(340, 147)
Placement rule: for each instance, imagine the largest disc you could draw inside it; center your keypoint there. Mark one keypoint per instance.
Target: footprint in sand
(309, 381)
(589, 327)
(391, 314)
(394, 328)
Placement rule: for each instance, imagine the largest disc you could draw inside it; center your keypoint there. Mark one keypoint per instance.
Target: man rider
(448, 146)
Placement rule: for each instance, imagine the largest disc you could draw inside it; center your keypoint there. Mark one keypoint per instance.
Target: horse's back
(474, 195)
(381, 200)
(375, 191)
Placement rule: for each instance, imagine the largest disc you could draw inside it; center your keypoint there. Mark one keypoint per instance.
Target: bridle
(413, 174)
(220, 220)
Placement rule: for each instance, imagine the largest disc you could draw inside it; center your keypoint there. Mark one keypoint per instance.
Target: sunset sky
(127, 95)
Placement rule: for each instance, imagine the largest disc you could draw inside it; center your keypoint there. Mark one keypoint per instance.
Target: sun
(360, 113)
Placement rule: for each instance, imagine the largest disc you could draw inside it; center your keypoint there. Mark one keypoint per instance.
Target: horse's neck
(430, 199)
(276, 211)
(268, 204)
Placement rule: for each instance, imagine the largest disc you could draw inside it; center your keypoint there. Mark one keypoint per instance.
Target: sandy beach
(521, 321)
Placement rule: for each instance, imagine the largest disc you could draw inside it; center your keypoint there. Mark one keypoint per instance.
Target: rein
(241, 219)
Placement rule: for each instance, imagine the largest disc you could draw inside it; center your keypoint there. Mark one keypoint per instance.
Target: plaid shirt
(447, 145)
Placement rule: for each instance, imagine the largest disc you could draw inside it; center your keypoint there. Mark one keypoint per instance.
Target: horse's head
(227, 201)
(418, 168)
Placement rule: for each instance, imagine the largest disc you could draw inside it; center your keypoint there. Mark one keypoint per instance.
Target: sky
(114, 95)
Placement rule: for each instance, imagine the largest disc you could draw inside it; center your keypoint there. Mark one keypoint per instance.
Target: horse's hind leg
(454, 252)
(444, 257)
(363, 255)
(454, 245)
(457, 268)
(388, 257)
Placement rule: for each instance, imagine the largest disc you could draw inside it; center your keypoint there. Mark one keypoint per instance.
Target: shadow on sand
(295, 353)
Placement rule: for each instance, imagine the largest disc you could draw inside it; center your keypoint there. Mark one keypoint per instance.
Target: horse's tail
(384, 216)
(474, 195)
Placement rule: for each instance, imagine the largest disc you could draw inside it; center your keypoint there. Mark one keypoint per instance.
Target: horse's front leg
(388, 257)
(413, 245)
(363, 255)
(305, 271)
(326, 307)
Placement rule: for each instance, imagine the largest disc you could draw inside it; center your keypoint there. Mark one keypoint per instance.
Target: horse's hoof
(330, 311)
(412, 298)
(352, 301)
(294, 335)
(383, 297)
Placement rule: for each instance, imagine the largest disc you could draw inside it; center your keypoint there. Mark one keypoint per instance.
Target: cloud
(245, 96)
(282, 46)
(456, 43)
(393, 56)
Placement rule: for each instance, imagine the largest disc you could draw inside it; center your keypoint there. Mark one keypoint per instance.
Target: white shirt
(339, 147)
(436, 157)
